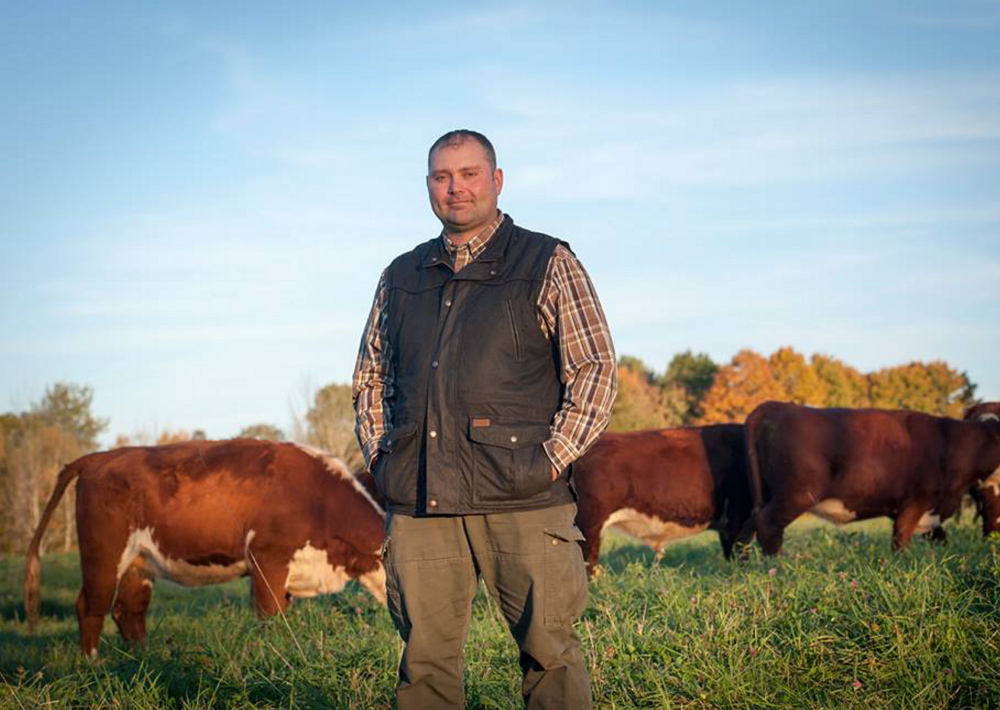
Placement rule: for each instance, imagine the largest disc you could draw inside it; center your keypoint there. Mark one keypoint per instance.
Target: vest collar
(485, 266)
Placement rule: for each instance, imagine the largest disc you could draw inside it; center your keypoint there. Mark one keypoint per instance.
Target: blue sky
(196, 199)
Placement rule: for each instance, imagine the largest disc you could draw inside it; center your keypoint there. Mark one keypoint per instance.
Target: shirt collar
(478, 243)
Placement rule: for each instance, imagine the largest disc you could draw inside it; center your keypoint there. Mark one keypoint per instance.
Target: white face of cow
(374, 582)
(310, 574)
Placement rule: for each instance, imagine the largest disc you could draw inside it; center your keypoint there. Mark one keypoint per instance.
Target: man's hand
(555, 473)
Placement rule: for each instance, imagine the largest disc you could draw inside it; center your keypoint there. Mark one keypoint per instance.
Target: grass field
(838, 621)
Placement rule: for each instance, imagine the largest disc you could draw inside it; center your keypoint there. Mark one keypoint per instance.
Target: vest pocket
(396, 469)
(509, 463)
(509, 307)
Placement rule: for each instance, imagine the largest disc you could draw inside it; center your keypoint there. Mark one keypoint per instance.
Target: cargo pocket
(510, 464)
(565, 576)
(392, 596)
(396, 468)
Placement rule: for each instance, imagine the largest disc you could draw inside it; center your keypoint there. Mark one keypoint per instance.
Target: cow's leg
(937, 536)
(737, 533)
(989, 508)
(93, 603)
(905, 524)
(129, 613)
(590, 523)
(267, 585)
(591, 549)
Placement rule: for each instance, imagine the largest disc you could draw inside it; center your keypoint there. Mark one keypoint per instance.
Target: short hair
(458, 137)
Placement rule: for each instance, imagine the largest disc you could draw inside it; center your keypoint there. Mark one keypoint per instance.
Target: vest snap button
(432, 503)
(513, 439)
(554, 541)
(434, 364)
(447, 303)
(432, 434)
(493, 272)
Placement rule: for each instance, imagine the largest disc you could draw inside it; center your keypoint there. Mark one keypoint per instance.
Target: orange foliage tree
(934, 388)
(641, 402)
(751, 379)
(740, 386)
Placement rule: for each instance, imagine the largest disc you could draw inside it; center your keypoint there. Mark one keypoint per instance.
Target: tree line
(693, 389)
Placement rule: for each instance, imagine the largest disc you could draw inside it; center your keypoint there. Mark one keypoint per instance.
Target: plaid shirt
(568, 310)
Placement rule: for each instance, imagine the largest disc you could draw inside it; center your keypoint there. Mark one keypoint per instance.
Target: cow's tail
(753, 461)
(33, 565)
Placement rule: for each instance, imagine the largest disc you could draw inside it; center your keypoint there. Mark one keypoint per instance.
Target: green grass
(838, 621)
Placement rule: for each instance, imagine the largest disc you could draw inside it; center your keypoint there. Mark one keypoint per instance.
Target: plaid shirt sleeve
(570, 312)
(371, 385)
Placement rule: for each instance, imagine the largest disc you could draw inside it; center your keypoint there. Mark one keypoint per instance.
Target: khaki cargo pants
(532, 566)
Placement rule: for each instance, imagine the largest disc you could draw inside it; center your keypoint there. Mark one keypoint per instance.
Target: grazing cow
(199, 512)
(664, 484)
(853, 464)
(987, 493)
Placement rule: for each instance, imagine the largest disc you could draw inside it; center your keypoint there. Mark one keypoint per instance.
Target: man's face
(463, 188)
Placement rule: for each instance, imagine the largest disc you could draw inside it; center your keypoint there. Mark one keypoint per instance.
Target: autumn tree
(823, 381)
(329, 425)
(796, 378)
(688, 378)
(37, 443)
(934, 388)
(844, 385)
(739, 387)
(268, 432)
(157, 437)
(642, 403)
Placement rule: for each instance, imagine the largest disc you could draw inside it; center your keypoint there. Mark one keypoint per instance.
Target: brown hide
(870, 462)
(240, 508)
(691, 477)
(987, 495)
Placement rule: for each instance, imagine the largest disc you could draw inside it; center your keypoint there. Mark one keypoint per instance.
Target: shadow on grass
(187, 676)
(19, 648)
(12, 610)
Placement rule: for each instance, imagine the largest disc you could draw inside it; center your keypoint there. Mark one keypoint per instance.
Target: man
(486, 368)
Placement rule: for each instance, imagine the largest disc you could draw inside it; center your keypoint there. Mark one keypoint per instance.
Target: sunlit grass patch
(837, 621)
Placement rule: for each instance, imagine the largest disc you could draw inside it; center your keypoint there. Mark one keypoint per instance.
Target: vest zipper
(513, 330)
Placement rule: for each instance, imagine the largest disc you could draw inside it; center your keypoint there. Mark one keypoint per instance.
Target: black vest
(476, 382)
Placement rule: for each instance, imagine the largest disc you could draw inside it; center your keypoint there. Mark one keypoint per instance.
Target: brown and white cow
(661, 485)
(854, 464)
(199, 512)
(987, 493)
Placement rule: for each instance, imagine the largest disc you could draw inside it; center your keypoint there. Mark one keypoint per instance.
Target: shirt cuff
(560, 451)
(370, 452)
